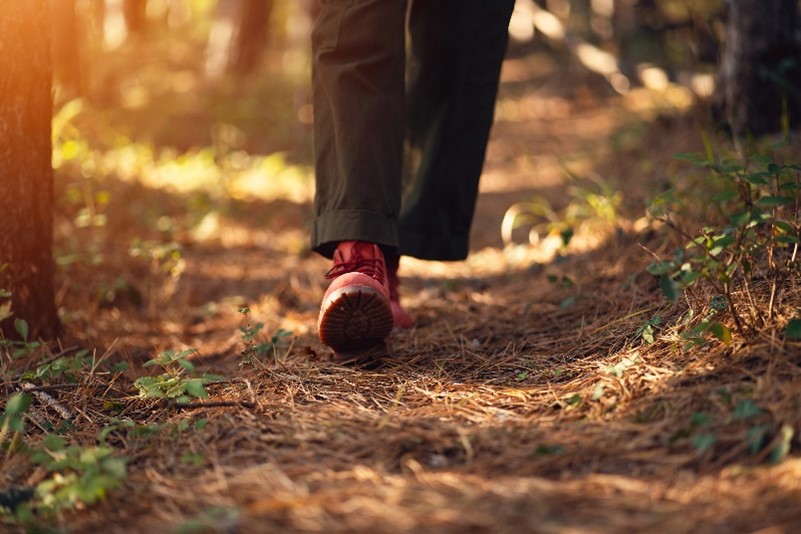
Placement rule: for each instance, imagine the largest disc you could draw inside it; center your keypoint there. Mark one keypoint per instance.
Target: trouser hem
(330, 228)
(451, 248)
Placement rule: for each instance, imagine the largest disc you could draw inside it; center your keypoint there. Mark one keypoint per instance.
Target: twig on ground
(47, 400)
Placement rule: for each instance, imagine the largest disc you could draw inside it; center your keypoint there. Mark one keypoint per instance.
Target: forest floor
(526, 398)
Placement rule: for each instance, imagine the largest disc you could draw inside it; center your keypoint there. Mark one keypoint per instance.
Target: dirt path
(524, 400)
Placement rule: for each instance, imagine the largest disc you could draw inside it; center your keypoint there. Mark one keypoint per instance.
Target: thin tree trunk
(251, 37)
(238, 37)
(759, 75)
(135, 16)
(26, 174)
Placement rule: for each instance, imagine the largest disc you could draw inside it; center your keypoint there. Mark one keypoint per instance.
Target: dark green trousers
(401, 125)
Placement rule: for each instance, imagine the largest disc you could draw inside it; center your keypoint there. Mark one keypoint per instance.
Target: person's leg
(358, 93)
(457, 47)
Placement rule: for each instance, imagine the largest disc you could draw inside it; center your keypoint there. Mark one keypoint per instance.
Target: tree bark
(238, 37)
(26, 174)
(759, 74)
(251, 36)
(66, 48)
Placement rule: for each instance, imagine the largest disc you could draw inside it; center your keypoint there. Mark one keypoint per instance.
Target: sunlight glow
(216, 51)
(177, 12)
(620, 83)
(520, 26)
(653, 77)
(592, 57)
(134, 97)
(184, 81)
(604, 8)
(548, 24)
(114, 29)
(596, 60)
(703, 84)
(648, 103)
(271, 177)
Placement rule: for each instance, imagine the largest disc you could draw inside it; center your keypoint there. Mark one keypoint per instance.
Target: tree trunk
(135, 12)
(26, 174)
(759, 75)
(251, 36)
(66, 48)
(238, 37)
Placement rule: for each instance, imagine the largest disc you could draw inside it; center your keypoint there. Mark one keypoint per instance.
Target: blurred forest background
(245, 64)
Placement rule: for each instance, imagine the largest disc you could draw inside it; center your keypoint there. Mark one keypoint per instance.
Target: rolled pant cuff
(451, 248)
(330, 228)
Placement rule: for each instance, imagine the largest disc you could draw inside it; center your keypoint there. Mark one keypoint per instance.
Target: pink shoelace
(372, 267)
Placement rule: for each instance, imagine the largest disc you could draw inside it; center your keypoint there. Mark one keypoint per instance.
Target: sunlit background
(192, 95)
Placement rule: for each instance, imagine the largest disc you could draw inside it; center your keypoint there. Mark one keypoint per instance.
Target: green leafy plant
(132, 429)
(11, 421)
(545, 449)
(762, 439)
(5, 307)
(703, 439)
(649, 329)
(78, 474)
(5, 299)
(180, 381)
(254, 349)
(68, 368)
(793, 330)
(23, 347)
(758, 205)
(213, 519)
(594, 204)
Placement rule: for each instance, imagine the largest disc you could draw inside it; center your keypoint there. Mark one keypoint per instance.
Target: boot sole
(356, 320)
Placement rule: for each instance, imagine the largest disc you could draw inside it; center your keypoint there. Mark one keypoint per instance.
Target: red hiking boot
(356, 317)
(400, 318)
